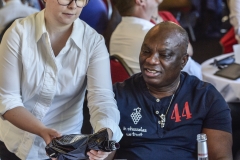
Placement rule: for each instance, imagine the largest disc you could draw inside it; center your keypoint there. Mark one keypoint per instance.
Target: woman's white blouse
(53, 88)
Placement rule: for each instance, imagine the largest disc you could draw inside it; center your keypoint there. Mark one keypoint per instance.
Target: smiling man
(163, 109)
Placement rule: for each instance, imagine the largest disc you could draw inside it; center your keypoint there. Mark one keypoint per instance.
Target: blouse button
(159, 122)
(157, 100)
(157, 112)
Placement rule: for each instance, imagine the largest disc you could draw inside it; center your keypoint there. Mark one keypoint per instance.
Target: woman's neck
(58, 35)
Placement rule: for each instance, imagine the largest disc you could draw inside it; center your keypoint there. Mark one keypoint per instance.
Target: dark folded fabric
(75, 146)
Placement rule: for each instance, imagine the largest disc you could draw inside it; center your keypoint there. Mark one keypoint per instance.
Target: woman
(47, 61)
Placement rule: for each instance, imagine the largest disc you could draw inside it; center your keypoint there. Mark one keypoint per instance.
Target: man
(163, 109)
(14, 9)
(129, 34)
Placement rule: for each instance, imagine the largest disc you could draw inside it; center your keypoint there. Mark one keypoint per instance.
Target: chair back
(108, 4)
(235, 112)
(119, 69)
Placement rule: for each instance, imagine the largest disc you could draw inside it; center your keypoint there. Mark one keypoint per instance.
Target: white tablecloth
(230, 89)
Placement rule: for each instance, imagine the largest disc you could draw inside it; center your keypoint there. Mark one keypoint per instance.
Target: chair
(235, 112)
(119, 69)
(228, 40)
(108, 4)
(114, 19)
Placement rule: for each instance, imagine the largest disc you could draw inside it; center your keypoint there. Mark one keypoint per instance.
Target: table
(230, 89)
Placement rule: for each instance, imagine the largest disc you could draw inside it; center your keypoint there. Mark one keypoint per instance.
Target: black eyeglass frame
(75, 2)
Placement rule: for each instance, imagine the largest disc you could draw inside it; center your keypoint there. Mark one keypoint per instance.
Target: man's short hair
(125, 7)
(183, 33)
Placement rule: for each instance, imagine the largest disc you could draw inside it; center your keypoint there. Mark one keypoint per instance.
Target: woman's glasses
(79, 3)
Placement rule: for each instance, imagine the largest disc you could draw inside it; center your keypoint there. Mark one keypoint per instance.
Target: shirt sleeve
(102, 105)
(10, 71)
(218, 116)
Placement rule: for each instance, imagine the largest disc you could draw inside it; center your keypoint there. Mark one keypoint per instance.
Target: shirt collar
(78, 31)
(40, 25)
(76, 35)
(131, 19)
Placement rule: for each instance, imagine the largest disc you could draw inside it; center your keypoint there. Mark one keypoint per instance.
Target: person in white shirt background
(127, 38)
(234, 7)
(13, 9)
(47, 61)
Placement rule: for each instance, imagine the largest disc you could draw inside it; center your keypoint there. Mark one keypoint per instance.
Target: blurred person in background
(34, 4)
(210, 17)
(1, 3)
(95, 15)
(234, 7)
(128, 36)
(232, 37)
(12, 10)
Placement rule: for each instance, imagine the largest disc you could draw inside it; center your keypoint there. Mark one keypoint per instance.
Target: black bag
(75, 146)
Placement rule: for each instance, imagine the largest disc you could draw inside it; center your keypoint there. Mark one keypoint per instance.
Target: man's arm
(219, 144)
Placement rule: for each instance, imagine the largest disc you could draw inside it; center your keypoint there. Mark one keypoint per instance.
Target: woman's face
(62, 15)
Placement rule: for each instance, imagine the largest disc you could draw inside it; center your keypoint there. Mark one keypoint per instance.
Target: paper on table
(236, 49)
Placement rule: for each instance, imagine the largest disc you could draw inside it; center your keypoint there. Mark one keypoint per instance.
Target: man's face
(161, 58)
(152, 4)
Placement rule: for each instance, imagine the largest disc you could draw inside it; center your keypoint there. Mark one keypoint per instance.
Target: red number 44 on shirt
(185, 113)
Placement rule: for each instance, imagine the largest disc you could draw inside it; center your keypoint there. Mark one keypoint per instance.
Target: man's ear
(184, 60)
(139, 2)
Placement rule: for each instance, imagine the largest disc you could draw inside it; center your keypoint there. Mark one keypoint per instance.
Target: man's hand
(97, 155)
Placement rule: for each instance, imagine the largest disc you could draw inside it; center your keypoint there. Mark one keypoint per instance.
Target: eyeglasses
(79, 3)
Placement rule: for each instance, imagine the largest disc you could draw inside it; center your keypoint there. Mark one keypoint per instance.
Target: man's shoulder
(134, 24)
(195, 85)
(193, 82)
(130, 84)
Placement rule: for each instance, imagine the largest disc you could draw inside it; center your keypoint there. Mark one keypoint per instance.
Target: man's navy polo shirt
(196, 105)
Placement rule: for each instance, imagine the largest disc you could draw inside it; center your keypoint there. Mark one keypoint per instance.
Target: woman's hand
(97, 155)
(100, 155)
(48, 134)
